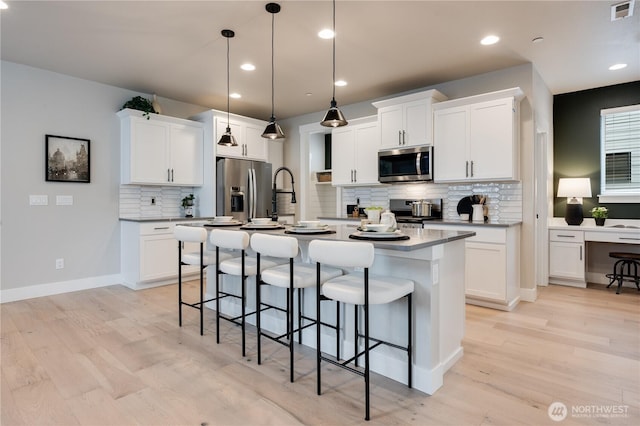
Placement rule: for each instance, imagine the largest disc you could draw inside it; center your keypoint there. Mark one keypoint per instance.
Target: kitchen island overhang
(434, 260)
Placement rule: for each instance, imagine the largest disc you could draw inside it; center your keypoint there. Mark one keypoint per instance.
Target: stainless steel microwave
(412, 164)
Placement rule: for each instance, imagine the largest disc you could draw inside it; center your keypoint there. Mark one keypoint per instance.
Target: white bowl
(223, 218)
(261, 220)
(377, 227)
(309, 223)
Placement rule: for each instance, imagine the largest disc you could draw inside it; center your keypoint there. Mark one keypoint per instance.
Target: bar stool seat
(628, 260)
(234, 266)
(382, 289)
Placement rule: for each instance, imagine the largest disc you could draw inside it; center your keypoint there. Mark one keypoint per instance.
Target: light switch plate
(64, 200)
(38, 200)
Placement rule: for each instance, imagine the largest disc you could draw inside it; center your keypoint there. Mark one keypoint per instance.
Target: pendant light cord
(333, 83)
(228, 83)
(273, 18)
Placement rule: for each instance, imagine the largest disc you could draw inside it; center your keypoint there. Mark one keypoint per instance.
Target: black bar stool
(202, 258)
(361, 290)
(628, 260)
(293, 276)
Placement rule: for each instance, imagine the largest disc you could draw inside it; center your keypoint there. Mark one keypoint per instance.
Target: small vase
(600, 221)
(188, 211)
(156, 105)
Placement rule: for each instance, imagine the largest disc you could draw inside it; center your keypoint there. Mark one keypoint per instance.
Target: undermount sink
(623, 226)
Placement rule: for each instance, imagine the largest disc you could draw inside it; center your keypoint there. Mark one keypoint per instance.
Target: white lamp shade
(574, 187)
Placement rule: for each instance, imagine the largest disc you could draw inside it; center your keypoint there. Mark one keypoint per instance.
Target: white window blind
(620, 151)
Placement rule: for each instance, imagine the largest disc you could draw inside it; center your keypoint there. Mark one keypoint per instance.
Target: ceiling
(175, 49)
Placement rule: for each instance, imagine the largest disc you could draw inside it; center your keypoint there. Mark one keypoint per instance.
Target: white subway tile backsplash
(503, 199)
(135, 201)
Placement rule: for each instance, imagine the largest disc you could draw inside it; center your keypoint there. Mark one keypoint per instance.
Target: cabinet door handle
(471, 168)
(580, 252)
(168, 175)
(404, 142)
(399, 137)
(355, 175)
(466, 168)
(566, 236)
(171, 175)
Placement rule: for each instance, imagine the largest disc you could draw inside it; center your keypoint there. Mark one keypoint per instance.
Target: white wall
(34, 103)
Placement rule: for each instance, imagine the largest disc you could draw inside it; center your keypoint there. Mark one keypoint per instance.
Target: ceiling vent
(622, 10)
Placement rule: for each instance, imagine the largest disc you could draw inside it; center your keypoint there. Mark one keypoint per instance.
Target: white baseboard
(528, 294)
(49, 289)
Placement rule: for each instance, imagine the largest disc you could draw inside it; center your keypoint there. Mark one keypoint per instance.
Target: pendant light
(227, 139)
(273, 130)
(334, 117)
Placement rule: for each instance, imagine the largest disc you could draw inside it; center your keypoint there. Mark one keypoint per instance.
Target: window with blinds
(620, 151)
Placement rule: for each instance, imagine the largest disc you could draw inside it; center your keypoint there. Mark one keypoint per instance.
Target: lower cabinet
(149, 254)
(567, 258)
(492, 265)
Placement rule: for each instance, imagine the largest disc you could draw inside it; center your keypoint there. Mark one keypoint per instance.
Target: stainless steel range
(403, 209)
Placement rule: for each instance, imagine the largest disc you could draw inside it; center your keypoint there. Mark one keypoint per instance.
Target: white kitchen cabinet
(160, 150)
(567, 258)
(149, 254)
(407, 120)
(477, 138)
(492, 265)
(354, 153)
(251, 144)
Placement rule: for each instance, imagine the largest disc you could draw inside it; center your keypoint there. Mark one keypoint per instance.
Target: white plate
(381, 235)
(315, 228)
(306, 230)
(261, 221)
(223, 219)
(257, 226)
(223, 223)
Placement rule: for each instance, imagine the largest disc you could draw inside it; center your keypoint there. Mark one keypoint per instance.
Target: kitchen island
(434, 260)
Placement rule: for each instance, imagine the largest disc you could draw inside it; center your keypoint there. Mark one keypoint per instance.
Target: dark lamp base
(573, 215)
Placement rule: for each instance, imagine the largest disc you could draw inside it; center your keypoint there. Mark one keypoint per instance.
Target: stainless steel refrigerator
(243, 188)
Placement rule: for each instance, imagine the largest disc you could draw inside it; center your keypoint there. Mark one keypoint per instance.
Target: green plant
(141, 104)
(188, 201)
(599, 212)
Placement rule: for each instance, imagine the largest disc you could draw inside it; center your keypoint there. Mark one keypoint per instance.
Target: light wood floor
(113, 356)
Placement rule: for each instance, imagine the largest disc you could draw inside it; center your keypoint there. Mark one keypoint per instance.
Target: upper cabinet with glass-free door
(407, 120)
(160, 150)
(477, 138)
(248, 134)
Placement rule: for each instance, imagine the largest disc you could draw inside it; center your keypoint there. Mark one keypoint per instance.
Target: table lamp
(574, 189)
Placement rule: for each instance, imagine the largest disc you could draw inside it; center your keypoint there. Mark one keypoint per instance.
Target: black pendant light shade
(273, 130)
(227, 138)
(334, 117)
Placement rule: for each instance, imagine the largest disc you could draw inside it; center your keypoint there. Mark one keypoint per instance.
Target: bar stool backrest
(342, 253)
(190, 234)
(237, 240)
(274, 245)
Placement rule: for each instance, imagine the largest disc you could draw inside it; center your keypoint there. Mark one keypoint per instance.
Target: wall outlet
(59, 263)
(153, 201)
(38, 200)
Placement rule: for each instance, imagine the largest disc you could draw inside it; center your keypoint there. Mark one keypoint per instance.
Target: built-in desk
(580, 254)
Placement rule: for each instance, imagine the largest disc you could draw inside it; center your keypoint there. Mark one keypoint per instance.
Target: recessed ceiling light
(248, 67)
(235, 95)
(617, 67)
(340, 83)
(326, 34)
(491, 39)
(309, 94)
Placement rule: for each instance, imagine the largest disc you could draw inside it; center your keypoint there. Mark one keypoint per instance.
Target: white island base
(438, 308)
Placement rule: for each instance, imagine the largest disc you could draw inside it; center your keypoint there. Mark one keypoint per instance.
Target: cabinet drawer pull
(160, 228)
(566, 236)
(629, 238)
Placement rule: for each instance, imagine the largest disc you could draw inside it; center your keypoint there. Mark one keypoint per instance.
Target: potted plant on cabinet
(187, 205)
(600, 214)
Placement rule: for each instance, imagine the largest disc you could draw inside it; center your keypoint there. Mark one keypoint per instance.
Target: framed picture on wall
(67, 159)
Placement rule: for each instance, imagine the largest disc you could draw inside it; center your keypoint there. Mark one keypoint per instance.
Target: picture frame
(67, 159)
